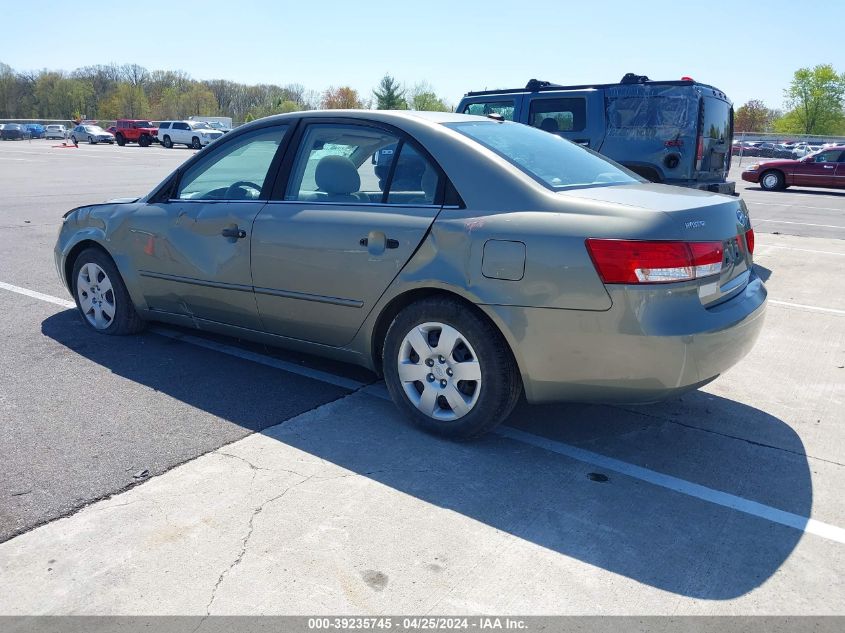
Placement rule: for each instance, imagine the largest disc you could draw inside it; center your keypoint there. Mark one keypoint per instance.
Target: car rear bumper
(650, 345)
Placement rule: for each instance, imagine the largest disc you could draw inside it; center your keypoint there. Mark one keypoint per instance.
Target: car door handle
(233, 232)
(389, 242)
(829, 166)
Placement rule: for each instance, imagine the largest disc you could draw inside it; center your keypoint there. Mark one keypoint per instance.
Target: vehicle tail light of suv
(641, 262)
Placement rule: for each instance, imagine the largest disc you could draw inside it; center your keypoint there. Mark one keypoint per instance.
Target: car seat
(338, 178)
(549, 125)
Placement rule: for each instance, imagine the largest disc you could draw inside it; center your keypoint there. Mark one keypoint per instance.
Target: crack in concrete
(665, 420)
(256, 468)
(245, 544)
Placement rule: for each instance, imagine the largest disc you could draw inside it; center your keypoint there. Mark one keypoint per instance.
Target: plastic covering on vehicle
(651, 112)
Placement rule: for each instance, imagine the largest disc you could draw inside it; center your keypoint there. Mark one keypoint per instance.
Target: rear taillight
(699, 152)
(749, 240)
(637, 262)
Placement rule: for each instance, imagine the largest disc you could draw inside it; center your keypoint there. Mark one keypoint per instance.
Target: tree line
(815, 101)
(113, 91)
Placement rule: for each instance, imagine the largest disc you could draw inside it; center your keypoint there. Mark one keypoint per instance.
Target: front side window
(236, 171)
(505, 108)
(559, 115)
(551, 160)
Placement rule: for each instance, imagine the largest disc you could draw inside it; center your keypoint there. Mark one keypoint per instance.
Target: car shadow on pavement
(663, 538)
(762, 272)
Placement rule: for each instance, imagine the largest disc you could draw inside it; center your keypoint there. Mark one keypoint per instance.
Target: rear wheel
(101, 295)
(167, 142)
(772, 180)
(195, 143)
(121, 140)
(449, 370)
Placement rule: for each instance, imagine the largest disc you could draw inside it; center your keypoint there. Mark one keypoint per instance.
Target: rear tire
(120, 139)
(98, 290)
(772, 180)
(426, 384)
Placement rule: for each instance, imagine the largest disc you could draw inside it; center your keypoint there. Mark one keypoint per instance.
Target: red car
(139, 131)
(822, 169)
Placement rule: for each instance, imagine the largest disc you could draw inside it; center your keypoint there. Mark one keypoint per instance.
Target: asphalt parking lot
(179, 473)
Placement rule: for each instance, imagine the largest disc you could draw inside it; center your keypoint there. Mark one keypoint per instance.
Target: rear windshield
(553, 161)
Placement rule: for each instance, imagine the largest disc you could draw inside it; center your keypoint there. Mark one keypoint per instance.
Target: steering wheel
(242, 186)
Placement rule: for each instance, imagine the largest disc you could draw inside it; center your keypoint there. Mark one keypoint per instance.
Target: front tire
(167, 142)
(101, 296)
(449, 369)
(772, 180)
(195, 143)
(91, 140)
(144, 141)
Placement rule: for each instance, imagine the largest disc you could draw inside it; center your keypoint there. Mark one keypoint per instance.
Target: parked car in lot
(92, 134)
(800, 150)
(55, 130)
(518, 261)
(139, 131)
(673, 132)
(196, 134)
(822, 169)
(36, 130)
(14, 132)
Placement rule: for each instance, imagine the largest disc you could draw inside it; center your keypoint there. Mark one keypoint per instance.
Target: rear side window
(559, 115)
(505, 108)
(165, 125)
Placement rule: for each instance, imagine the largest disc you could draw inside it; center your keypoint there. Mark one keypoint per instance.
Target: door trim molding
(195, 282)
(304, 296)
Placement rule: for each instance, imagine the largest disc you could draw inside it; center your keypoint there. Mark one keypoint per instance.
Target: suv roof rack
(537, 85)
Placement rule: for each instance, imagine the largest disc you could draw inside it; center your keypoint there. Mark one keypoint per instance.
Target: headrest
(428, 182)
(337, 174)
(549, 125)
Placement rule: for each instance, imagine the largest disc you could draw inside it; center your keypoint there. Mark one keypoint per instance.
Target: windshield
(553, 161)
(200, 125)
(94, 129)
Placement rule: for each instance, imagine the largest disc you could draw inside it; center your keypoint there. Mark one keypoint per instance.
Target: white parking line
(37, 295)
(826, 226)
(316, 374)
(793, 248)
(792, 206)
(804, 306)
(717, 497)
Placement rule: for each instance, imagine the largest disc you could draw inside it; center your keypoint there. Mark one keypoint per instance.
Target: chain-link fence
(774, 146)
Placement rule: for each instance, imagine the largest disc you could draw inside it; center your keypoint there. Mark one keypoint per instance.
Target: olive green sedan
(484, 260)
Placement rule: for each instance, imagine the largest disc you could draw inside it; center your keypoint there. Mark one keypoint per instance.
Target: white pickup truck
(194, 134)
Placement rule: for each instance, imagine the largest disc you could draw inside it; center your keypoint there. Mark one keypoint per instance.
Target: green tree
(423, 97)
(815, 99)
(754, 116)
(390, 95)
(126, 101)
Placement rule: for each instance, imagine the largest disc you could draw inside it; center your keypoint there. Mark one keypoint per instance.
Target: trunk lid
(691, 215)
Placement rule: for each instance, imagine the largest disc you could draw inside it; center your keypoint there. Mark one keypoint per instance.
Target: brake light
(639, 262)
(699, 152)
(674, 143)
(749, 240)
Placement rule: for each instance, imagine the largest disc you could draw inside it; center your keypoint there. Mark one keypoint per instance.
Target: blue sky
(748, 49)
